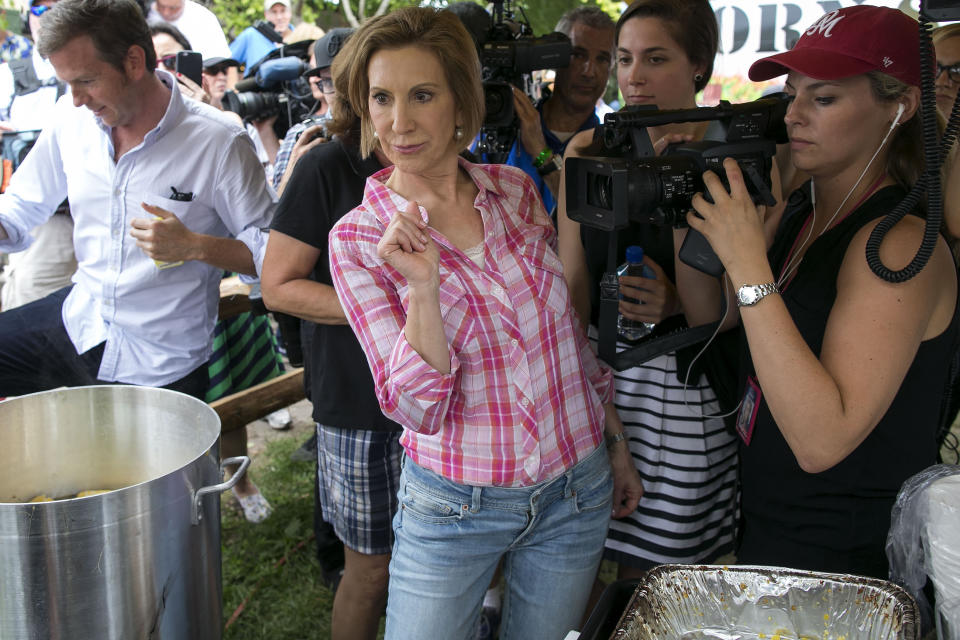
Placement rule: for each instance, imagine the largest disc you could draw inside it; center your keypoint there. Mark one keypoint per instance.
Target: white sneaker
(280, 419)
(255, 506)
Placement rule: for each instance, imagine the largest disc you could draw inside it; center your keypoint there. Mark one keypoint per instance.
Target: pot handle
(243, 461)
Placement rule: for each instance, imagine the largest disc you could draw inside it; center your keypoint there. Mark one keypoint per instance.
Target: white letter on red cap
(825, 24)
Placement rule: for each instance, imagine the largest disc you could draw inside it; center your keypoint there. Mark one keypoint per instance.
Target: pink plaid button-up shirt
(523, 400)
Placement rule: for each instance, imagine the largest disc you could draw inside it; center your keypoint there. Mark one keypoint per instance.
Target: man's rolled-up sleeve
(245, 200)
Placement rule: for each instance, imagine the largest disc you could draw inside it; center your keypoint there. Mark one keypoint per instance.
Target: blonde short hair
(303, 31)
(951, 30)
(440, 32)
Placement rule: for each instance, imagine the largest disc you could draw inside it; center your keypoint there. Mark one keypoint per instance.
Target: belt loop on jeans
(475, 496)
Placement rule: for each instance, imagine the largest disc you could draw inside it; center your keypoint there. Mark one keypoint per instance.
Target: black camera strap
(267, 30)
(609, 305)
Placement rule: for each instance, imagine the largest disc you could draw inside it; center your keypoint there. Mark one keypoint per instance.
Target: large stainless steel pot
(142, 561)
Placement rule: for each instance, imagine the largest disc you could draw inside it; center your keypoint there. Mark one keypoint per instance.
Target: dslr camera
(509, 53)
(621, 181)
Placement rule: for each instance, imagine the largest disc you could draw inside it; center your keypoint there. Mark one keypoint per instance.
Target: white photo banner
(750, 30)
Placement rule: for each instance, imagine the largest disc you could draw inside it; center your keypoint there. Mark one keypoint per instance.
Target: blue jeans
(449, 537)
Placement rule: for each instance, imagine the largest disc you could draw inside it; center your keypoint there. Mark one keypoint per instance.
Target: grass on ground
(271, 568)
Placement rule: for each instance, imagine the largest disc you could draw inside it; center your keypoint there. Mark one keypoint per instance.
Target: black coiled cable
(928, 183)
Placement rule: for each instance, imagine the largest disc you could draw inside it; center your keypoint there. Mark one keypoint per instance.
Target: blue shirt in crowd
(518, 156)
(15, 47)
(250, 47)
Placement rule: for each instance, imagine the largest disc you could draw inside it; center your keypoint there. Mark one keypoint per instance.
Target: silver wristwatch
(750, 294)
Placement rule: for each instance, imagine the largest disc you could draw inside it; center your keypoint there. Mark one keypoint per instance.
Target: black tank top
(837, 520)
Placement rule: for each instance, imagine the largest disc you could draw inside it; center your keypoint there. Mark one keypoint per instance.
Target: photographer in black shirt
(353, 437)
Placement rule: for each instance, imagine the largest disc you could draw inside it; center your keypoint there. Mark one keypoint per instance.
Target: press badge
(749, 406)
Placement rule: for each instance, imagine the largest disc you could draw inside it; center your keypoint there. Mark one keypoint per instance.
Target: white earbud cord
(794, 263)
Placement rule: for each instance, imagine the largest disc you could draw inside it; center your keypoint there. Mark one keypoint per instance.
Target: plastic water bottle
(634, 329)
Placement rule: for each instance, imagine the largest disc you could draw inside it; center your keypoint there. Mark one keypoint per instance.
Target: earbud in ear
(900, 109)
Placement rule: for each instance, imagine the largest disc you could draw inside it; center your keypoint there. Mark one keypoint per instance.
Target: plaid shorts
(358, 481)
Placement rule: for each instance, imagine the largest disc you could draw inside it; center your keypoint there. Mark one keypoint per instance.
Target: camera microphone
(247, 84)
(273, 72)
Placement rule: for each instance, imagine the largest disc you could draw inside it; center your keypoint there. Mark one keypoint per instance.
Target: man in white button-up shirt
(159, 188)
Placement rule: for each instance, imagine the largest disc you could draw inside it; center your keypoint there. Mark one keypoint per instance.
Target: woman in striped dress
(664, 55)
(245, 353)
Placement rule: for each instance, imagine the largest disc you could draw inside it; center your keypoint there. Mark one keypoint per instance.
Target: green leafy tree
(237, 15)
(544, 14)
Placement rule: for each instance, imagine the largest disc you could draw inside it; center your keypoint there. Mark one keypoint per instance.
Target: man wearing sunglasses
(215, 72)
(144, 168)
(29, 90)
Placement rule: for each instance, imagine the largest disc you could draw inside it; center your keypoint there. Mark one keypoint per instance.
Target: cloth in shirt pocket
(546, 270)
(179, 208)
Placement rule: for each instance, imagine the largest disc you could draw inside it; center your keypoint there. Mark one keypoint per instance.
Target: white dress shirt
(157, 323)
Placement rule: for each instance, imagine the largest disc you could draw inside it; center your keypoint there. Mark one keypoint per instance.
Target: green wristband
(542, 157)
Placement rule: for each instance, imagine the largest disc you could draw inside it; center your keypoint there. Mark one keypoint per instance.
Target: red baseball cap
(848, 42)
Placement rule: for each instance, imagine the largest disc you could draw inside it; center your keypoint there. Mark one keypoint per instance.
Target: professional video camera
(509, 53)
(629, 183)
(275, 86)
(621, 181)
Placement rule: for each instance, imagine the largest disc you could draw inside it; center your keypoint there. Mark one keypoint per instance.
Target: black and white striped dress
(688, 465)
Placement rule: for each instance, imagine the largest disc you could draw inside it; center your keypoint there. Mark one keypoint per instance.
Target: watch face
(747, 295)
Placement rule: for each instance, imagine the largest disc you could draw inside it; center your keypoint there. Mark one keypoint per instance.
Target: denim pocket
(429, 507)
(596, 492)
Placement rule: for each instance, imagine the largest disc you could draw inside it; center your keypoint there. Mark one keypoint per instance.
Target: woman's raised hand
(732, 224)
(406, 246)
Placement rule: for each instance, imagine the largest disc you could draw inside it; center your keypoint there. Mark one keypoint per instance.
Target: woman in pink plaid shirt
(448, 275)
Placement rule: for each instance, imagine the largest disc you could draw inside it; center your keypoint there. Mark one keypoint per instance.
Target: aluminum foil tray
(684, 602)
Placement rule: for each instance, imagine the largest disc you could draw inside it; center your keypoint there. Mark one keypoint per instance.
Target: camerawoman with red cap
(845, 371)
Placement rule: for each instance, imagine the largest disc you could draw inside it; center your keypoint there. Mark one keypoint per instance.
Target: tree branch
(382, 9)
(348, 13)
